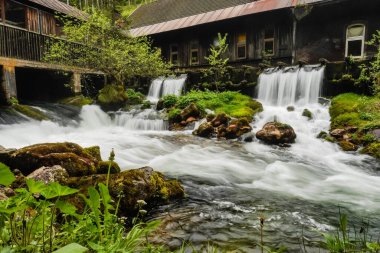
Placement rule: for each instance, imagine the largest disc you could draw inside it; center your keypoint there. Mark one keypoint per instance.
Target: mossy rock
(372, 149)
(94, 151)
(70, 156)
(145, 105)
(133, 185)
(30, 112)
(308, 114)
(112, 97)
(103, 167)
(330, 139)
(204, 130)
(347, 146)
(78, 101)
(256, 106)
(322, 135)
(276, 133)
(290, 108)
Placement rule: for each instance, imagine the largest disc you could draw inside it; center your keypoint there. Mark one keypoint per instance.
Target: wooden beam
(43, 65)
(8, 82)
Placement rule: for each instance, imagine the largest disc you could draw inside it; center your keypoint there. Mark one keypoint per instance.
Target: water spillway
(291, 85)
(229, 184)
(166, 86)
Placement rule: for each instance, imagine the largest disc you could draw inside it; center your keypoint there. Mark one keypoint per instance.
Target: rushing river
(229, 184)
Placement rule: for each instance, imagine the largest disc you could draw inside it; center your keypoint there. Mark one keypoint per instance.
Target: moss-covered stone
(102, 167)
(79, 101)
(347, 146)
(70, 156)
(290, 108)
(322, 135)
(112, 97)
(133, 185)
(94, 151)
(372, 149)
(308, 114)
(30, 112)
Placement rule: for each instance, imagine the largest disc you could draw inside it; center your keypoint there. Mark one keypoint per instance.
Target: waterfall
(291, 85)
(165, 86)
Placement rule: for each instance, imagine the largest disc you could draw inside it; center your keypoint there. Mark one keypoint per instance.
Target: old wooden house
(26, 27)
(280, 30)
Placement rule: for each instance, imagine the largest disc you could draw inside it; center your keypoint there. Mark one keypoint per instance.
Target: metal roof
(215, 15)
(61, 7)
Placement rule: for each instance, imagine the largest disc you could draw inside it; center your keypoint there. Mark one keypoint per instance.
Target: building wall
(253, 26)
(320, 33)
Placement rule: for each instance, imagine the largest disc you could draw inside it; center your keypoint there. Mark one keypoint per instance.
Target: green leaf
(66, 208)
(6, 176)
(72, 248)
(35, 186)
(54, 190)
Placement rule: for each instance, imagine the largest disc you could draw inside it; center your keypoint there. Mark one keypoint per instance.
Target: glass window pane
(241, 38)
(15, 14)
(174, 59)
(194, 56)
(268, 47)
(354, 48)
(241, 52)
(355, 31)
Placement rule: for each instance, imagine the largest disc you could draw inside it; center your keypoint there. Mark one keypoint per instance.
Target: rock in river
(276, 133)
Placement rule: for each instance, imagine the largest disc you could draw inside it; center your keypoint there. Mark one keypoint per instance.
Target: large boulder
(70, 156)
(204, 130)
(237, 128)
(191, 110)
(220, 119)
(276, 133)
(5, 154)
(50, 174)
(133, 185)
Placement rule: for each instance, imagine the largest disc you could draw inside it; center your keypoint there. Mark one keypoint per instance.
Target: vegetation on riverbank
(357, 118)
(231, 103)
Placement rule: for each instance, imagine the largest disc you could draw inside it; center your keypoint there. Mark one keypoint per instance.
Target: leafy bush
(112, 94)
(169, 101)
(134, 97)
(174, 115)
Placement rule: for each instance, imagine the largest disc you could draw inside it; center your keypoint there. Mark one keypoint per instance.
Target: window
(174, 59)
(241, 46)
(355, 41)
(194, 53)
(269, 41)
(15, 14)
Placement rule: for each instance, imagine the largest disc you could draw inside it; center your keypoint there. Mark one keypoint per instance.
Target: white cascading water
(291, 85)
(168, 86)
(229, 184)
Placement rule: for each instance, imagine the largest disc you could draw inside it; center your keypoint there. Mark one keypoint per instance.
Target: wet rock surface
(276, 133)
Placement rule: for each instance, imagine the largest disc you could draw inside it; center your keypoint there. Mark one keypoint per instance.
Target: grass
(232, 103)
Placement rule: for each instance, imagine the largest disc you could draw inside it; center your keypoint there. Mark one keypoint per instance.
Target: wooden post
(8, 82)
(76, 82)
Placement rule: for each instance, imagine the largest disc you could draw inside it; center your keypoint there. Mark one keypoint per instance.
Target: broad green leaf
(72, 248)
(106, 197)
(94, 198)
(54, 190)
(373, 246)
(6, 176)
(66, 207)
(35, 186)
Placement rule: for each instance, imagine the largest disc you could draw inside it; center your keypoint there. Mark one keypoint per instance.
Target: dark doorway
(42, 85)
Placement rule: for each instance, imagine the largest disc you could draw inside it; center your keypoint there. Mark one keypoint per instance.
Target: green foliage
(355, 110)
(217, 62)
(373, 149)
(344, 240)
(232, 103)
(134, 97)
(103, 46)
(174, 115)
(371, 73)
(169, 101)
(112, 94)
(6, 176)
(146, 104)
(79, 101)
(72, 248)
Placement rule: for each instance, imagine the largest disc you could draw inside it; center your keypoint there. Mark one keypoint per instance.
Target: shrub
(169, 101)
(134, 97)
(174, 115)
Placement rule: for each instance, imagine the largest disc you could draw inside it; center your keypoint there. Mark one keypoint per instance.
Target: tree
(216, 60)
(101, 44)
(371, 73)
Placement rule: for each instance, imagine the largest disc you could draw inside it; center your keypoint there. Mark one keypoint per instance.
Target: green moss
(134, 97)
(169, 101)
(373, 149)
(174, 115)
(232, 103)
(77, 101)
(103, 166)
(112, 94)
(145, 105)
(30, 112)
(93, 151)
(307, 113)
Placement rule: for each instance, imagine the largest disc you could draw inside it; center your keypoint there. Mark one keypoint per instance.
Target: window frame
(241, 44)
(190, 56)
(25, 15)
(356, 38)
(269, 39)
(171, 53)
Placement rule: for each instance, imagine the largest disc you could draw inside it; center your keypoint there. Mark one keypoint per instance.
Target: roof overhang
(214, 16)
(61, 7)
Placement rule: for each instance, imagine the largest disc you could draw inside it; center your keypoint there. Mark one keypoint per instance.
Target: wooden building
(26, 28)
(283, 30)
